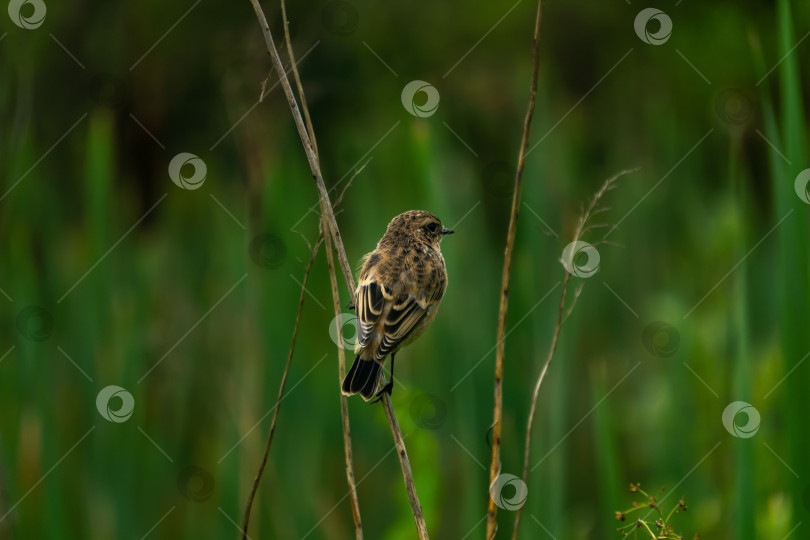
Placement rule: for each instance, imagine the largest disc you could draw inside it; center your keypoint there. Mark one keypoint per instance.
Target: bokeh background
(112, 275)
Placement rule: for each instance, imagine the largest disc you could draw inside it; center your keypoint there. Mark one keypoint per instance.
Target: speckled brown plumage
(400, 287)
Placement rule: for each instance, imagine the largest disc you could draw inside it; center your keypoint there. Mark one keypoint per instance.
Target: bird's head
(419, 226)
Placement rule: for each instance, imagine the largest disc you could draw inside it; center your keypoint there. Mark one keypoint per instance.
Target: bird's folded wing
(370, 303)
(403, 318)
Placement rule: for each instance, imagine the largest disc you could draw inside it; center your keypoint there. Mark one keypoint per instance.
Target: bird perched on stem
(399, 290)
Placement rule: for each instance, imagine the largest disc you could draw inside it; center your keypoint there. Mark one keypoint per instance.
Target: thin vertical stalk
(344, 405)
(495, 464)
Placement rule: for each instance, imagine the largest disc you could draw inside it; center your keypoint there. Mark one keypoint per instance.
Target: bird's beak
(447, 231)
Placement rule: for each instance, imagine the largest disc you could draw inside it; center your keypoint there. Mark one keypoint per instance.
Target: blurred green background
(113, 275)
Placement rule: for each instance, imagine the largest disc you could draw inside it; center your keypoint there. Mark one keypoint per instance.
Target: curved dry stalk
(297, 78)
(344, 405)
(495, 465)
(312, 158)
(405, 464)
(280, 390)
(587, 213)
(328, 216)
(533, 408)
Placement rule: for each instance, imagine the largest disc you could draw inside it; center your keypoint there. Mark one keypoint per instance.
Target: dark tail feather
(362, 378)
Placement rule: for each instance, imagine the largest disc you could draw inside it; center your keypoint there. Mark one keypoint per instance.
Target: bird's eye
(432, 227)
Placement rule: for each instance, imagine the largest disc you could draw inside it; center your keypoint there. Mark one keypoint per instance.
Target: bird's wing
(376, 306)
(411, 311)
(371, 298)
(403, 317)
(394, 317)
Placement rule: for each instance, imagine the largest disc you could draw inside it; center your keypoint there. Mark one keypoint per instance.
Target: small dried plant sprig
(588, 211)
(661, 527)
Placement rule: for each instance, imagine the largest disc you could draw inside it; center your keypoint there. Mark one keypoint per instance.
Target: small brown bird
(398, 293)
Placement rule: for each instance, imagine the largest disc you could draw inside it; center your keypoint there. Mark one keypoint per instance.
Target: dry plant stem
(495, 465)
(405, 464)
(344, 405)
(300, 304)
(328, 215)
(583, 220)
(297, 78)
(533, 408)
(280, 391)
(314, 164)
